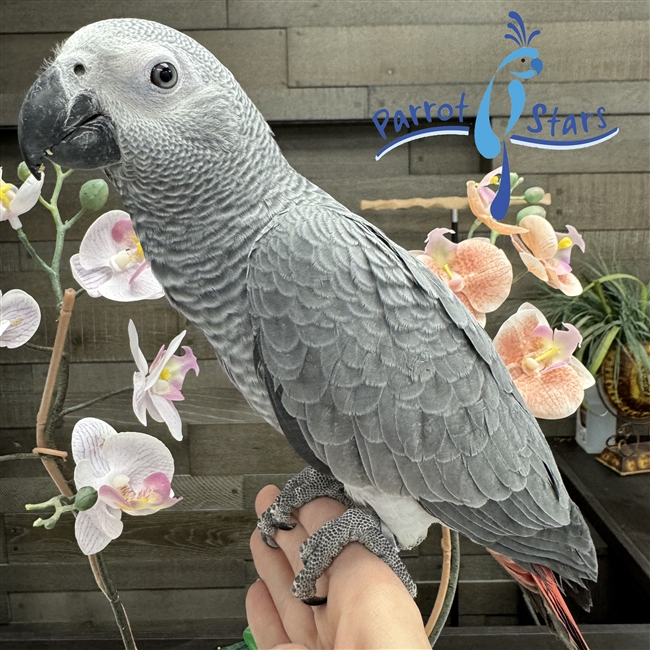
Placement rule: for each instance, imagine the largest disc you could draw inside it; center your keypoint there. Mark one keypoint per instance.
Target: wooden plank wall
(318, 71)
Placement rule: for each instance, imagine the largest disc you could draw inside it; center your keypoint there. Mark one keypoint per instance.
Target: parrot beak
(72, 133)
(537, 65)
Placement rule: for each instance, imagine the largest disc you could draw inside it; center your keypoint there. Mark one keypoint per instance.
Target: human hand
(367, 607)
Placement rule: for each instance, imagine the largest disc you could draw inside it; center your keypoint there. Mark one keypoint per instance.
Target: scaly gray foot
(301, 489)
(319, 550)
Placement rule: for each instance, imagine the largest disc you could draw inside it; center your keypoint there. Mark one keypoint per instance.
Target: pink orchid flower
(14, 201)
(20, 317)
(547, 254)
(550, 380)
(131, 472)
(155, 388)
(478, 272)
(111, 262)
(480, 198)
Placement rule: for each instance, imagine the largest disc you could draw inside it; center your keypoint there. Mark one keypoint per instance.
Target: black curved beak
(73, 133)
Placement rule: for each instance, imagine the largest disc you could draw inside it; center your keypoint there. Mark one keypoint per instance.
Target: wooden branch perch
(46, 401)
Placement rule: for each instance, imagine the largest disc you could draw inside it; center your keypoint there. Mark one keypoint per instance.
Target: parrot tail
(543, 594)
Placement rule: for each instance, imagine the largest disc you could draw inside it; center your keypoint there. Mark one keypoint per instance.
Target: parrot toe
(301, 489)
(320, 549)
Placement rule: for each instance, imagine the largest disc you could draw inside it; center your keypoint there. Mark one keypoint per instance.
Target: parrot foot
(301, 489)
(319, 550)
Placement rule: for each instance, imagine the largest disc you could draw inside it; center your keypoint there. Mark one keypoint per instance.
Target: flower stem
(32, 252)
(94, 400)
(104, 582)
(20, 456)
(61, 390)
(474, 226)
(100, 572)
(43, 202)
(71, 222)
(519, 276)
(40, 348)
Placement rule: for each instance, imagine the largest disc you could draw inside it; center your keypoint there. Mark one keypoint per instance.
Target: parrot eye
(523, 60)
(164, 75)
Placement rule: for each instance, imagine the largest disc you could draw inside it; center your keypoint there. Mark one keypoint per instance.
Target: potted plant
(613, 315)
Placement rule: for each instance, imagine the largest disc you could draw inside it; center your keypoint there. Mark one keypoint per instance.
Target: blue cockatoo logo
(487, 142)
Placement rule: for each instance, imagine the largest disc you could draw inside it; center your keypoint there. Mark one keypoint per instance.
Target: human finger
(263, 618)
(275, 570)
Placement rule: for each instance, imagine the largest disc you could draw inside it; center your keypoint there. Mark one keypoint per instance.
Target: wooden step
(203, 635)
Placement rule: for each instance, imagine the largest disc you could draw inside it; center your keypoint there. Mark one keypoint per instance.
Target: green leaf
(603, 349)
(620, 276)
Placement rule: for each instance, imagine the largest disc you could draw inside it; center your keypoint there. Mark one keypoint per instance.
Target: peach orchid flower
(477, 271)
(547, 254)
(480, 198)
(550, 380)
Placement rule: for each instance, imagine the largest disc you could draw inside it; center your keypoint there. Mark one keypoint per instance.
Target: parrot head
(524, 54)
(140, 100)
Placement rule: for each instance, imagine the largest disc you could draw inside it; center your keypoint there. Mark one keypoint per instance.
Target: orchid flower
(131, 472)
(111, 262)
(155, 388)
(480, 198)
(14, 201)
(20, 317)
(477, 271)
(547, 254)
(550, 380)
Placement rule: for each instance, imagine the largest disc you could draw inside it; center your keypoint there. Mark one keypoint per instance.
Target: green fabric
(247, 644)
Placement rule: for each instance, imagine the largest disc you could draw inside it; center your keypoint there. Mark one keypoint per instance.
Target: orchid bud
(48, 524)
(537, 210)
(93, 194)
(534, 195)
(85, 498)
(23, 172)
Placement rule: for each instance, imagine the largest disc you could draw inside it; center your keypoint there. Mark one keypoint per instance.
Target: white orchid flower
(111, 262)
(20, 317)
(155, 388)
(131, 472)
(14, 201)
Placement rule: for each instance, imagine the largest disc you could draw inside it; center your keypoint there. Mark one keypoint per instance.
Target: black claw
(282, 526)
(268, 540)
(314, 601)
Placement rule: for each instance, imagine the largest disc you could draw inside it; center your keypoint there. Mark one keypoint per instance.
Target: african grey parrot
(376, 373)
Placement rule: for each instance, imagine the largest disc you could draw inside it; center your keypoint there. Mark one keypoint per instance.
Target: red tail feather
(542, 583)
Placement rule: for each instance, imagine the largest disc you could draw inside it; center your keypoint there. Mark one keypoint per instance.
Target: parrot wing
(377, 371)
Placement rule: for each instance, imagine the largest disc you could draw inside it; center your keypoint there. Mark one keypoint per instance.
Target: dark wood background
(318, 71)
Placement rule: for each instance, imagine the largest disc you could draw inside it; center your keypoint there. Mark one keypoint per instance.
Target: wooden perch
(439, 202)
